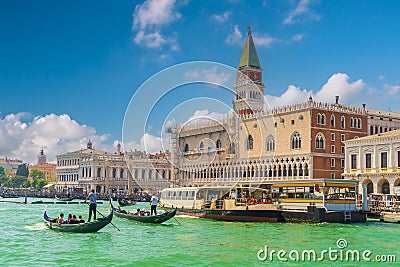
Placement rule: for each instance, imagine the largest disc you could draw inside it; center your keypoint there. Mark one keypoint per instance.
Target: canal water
(26, 241)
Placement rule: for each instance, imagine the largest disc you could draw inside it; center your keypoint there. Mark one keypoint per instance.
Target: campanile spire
(249, 88)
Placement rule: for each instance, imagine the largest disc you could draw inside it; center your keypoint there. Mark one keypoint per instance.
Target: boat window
(191, 195)
(340, 193)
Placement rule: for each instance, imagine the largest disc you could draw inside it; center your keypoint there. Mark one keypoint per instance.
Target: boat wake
(36, 227)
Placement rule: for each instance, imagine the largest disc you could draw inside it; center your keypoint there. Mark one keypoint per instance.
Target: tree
(22, 170)
(17, 181)
(41, 184)
(26, 184)
(36, 174)
(3, 180)
(2, 171)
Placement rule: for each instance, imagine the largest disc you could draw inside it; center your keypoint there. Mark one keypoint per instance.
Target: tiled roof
(249, 54)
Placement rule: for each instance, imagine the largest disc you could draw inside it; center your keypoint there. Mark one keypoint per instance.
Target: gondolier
(154, 203)
(92, 205)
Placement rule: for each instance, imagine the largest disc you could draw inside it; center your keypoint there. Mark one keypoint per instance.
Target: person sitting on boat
(121, 210)
(137, 212)
(69, 218)
(73, 220)
(80, 220)
(60, 219)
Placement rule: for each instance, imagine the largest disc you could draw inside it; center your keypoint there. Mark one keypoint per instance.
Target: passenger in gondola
(60, 219)
(121, 210)
(80, 220)
(137, 212)
(74, 220)
(69, 218)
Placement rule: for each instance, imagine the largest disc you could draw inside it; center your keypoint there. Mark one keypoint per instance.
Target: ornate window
(270, 143)
(342, 122)
(186, 149)
(218, 144)
(319, 141)
(359, 123)
(250, 142)
(323, 119)
(319, 118)
(352, 124)
(232, 149)
(332, 120)
(296, 141)
(201, 146)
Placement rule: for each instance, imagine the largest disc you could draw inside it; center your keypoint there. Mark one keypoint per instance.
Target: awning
(49, 185)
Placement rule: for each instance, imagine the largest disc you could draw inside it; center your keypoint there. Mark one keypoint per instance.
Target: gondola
(125, 202)
(145, 219)
(64, 198)
(86, 227)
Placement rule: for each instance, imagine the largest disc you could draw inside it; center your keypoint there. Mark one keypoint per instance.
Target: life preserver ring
(251, 201)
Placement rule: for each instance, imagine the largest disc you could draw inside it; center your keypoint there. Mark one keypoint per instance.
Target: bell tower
(249, 88)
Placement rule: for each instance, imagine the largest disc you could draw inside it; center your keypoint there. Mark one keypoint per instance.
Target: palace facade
(374, 161)
(90, 168)
(252, 145)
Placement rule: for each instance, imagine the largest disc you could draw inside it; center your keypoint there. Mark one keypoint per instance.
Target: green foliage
(3, 180)
(40, 184)
(17, 181)
(36, 174)
(22, 170)
(2, 171)
(26, 184)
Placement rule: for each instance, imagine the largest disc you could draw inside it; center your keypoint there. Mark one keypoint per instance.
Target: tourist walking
(153, 203)
(92, 205)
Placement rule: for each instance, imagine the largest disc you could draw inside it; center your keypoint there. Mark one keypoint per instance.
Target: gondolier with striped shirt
(92, 205)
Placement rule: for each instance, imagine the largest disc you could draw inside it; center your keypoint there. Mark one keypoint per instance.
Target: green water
(25, 241)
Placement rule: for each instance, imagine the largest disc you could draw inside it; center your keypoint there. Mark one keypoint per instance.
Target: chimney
(364, 106)
(337, 99)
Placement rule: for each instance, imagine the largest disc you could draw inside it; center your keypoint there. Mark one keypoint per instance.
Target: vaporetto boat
(317, 200)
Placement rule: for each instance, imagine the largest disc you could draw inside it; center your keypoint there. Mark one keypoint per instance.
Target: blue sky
(68, 69)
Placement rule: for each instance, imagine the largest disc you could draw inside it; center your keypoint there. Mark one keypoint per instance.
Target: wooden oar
(165, 209)
(105, 216)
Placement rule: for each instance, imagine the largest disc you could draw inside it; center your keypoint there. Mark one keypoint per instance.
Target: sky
(69, 69)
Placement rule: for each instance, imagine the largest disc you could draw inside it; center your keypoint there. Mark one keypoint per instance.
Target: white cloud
(292, 95)
(154, 144)
(151, 40)
(337, 84)
(300, 13)
(204, 114)
(381, 77)
(263, 40)
(222, 17)
(392, 89)
(297, 37)
(211, 75)
(148, 19)
(236, 37)
(154, 12)
(22, 136)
